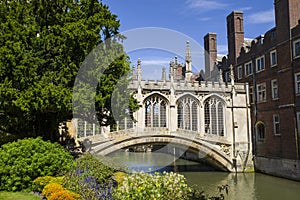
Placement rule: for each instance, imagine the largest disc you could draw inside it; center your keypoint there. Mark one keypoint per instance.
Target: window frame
(260, 63)
(294, 48)
(239, 72)
(297, 87)
(259, 137)
(276, 123)
(271, 58)
(298, 122)
(214, 117)
(273, 88)
(258, 90)
(246, 66)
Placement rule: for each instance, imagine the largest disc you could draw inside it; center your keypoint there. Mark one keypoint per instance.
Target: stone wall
(285, 168)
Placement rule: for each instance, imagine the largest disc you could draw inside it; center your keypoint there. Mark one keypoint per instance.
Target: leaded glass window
(214, 116)
(155, 111)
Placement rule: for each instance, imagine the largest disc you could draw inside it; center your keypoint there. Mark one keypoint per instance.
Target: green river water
(248, 186)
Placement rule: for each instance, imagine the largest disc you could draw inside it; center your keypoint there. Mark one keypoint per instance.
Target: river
(248, 186)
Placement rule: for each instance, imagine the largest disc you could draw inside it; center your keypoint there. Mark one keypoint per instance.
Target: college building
(270, 63)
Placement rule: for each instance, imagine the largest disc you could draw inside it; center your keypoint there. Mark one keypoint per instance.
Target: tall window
(260, 63)
(261, 92)
(273, 58)
(248, 69)
(155, 111)
(251, 96)
(260, 131)
(276, 124)
(240, 72)
(296, 49)
(297, 83)
(187, 114)
(214, 116)
(274, 85)
(298, 122)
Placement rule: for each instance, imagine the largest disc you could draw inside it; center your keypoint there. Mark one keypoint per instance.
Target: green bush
(89, 165)
(166, 186)
(90, 178)
(23, 161)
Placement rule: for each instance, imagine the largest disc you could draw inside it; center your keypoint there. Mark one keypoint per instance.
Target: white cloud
(245, 8)
(203, 19)
(162, 62)
(261, 17)
(222, 49)
(204, 5)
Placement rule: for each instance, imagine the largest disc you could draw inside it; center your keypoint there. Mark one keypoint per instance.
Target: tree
(42, 45)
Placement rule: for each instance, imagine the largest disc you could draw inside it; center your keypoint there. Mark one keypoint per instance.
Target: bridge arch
(212, 155)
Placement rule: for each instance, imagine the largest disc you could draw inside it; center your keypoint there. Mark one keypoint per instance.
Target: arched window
(260, 131)
(239, 24)
(187, 114)
(214, 116)
(155, 111)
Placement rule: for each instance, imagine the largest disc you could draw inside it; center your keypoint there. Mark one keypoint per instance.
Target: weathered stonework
(208, 118)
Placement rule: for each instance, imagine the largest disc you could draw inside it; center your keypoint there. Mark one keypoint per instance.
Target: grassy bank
(17, 195)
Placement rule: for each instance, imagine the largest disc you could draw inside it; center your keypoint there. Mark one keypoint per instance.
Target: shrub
(119, 177)
(24, 160)
(51, 188)
(91, 178)
(39, 183)
(166, 186)
(89, 165)
(55, 191)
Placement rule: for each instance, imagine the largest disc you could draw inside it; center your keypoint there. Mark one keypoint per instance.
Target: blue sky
(193, 18)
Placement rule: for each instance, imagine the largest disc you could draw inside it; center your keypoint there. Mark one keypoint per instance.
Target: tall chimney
(235, 35)
(210, 46)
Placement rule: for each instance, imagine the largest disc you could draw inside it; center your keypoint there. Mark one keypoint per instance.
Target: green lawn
(17, 195)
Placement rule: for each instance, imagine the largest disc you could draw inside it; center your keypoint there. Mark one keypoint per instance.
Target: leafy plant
(39, 183)
(55, 191)
(90, 178)
(23, 161)
(165, 186)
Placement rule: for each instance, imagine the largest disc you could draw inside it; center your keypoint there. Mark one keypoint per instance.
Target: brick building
(270, 64)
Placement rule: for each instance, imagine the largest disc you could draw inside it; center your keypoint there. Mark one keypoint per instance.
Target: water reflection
(249, 186)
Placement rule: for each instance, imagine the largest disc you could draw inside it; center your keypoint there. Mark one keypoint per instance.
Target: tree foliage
(42, 46)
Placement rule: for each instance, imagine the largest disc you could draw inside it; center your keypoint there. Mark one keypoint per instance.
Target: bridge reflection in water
(242, 186)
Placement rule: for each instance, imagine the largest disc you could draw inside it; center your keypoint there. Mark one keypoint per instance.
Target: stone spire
(188, 62)
(220, 75)
(188, 58)
(139, 70)
(134, 74)
(164, 76)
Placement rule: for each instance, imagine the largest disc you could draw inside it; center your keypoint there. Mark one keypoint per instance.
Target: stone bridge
(210, 119)
(216, 151)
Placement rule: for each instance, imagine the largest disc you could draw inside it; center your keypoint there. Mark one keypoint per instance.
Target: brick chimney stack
(287, 14)
(210, 46)
(235, 35)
